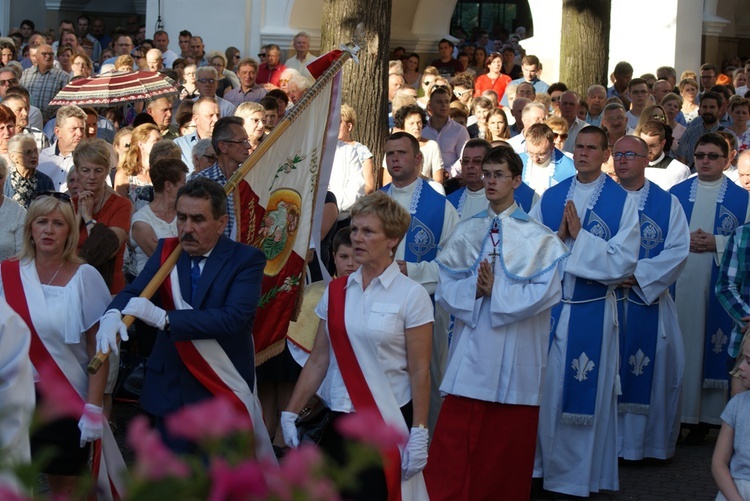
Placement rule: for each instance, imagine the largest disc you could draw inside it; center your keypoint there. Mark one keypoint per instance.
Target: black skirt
(60, 438)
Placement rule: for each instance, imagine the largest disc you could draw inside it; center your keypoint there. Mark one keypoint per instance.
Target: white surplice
(655, 434)
(691, 299)
(579, 459)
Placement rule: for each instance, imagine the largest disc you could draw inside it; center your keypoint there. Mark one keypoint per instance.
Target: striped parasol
(115, 88)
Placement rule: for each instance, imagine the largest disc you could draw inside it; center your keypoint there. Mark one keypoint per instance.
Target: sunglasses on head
(63, 197)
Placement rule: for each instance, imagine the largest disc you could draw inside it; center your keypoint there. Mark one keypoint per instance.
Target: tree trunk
(365, 85)
(584, 46)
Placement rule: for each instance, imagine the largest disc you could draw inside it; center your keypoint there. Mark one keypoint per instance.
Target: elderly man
(615, 122)
(198, 51)
(44, 81)
(231, 145)
(302, 56)
(652, 356)
(270, 71)
(544, 165)
(154, 60)
(57, 160)
(20, 107)
(569, 102)
(215, 290)
(533, 113)
(160, 110)
(516, 111)
(660, 89)
(715, 207)
(206, 81)
(204, 155)
(205, 114)
(743, 169)
(249, 90)
(596, 95)
(662, 169)
(161, 42)
(577, 448)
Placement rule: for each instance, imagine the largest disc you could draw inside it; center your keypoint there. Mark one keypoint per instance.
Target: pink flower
(207, 420)
(368, 427)
(153, 460)
(245, 481)
(299, 465)
(59, 399)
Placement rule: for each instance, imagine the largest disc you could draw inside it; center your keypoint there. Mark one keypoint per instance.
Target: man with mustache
(204, 312)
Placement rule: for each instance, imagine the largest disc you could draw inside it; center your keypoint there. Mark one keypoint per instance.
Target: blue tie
(195, 273)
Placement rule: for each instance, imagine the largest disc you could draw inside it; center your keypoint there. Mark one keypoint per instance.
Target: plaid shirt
(43, 87)
(733, 285)
(214, 173)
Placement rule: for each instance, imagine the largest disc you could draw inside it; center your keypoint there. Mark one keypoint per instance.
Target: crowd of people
(569, 266)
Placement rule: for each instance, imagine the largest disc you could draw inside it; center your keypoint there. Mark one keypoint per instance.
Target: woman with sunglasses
(233, 56)
(430, 73)
(11, 219)
(493, 79)
(68, 297)
(24, 180)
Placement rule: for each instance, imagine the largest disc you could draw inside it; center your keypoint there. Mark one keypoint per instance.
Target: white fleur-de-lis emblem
(719, 340)
(582, 366)
(639, 361)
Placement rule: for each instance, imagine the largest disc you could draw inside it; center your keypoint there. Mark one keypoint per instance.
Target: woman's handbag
(313, 421)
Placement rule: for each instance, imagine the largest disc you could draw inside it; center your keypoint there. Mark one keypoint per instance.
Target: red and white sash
(369, 389)
(209, 364)
(108, 469)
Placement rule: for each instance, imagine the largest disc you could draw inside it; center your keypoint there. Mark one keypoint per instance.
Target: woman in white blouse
(68, 297)
(385, 319)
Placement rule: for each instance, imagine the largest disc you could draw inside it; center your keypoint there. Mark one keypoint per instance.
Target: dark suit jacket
(223, 309)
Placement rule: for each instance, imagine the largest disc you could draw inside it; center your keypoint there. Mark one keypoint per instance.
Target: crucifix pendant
(494, 255)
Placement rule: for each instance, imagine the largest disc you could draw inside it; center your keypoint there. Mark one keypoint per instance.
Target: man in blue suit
(210, 297)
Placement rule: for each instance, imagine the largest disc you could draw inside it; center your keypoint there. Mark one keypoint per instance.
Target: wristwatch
(92, 221)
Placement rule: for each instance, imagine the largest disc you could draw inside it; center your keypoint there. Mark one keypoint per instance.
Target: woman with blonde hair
(689, 93)
(68, 297)
(132, 179)
(348, 122)
(672, 103)
(252, 114)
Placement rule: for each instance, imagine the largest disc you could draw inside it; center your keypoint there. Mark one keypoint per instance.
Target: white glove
(414, 459)
(289, 428)
(142, 308)
(91, 424)
(109, 326)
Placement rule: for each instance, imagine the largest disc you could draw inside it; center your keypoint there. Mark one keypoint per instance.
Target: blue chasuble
(731, 208)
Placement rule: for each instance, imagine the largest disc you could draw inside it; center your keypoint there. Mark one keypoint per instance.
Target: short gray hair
(206, 69)
(201, 147)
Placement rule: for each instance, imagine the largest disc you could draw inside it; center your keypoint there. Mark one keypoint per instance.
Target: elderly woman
(412, 119)
(7, 129)
(100, 208)
(375, 329)
(132, 179)
(25, 181)
(560, 129)
(82, 65)
(297, 87)
(188, 90)
(68, 297)
(252, 114)
(11, 219)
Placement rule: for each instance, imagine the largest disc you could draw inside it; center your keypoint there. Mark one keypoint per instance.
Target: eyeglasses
(47, 54)
(259, 55)
(207, 80)
(561, 136)
(10, 82)
(711, 156)
(487, 175)
(241, 141)
(628, 155)
(63, 197)
(210, 158)
(555, 99)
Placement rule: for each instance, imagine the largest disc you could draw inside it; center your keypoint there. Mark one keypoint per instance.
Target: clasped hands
(110, 325)
(700, 241)
(485, 279)
(570, 225)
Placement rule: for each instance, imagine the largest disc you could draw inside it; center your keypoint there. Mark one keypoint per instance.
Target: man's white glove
(91, 424)
(414, 459)
(109, 326)
(142, 308)
(289, 428)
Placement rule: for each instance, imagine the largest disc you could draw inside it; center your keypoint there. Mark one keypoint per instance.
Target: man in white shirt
(639, 99)
(569, 102)
(450, 135)
(57, 160)
(206, 81)
(302, 57)
(161, 42)
(205, 114)
(543, 164)
(662, 169)
(533, 113)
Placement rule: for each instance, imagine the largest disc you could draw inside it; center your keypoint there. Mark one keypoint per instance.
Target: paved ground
(686, 477)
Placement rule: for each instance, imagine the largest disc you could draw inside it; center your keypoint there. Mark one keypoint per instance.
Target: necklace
(55, 275)
(495, 237)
